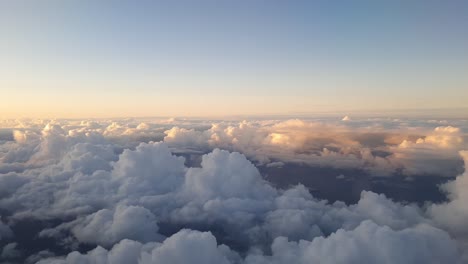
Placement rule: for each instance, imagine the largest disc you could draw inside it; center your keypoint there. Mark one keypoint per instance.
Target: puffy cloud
(226, 175)
(106, 227)
(186, 246)
(226, 190)
(148, 170)
(9, 183)
(88, 158)
(435, 154)
(24, 136)
(186, 138)
(97, 184)
(317, 143)
(190, 247)
(143, 126)
(57, 163)
(453, 214)
(368, 243)
(336, 145)
(297, 215)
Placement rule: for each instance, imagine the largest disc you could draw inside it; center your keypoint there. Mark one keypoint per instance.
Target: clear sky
(89, 58)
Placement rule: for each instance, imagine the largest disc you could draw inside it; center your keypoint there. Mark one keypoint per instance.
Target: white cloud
(435, 154)
(96, 183)
(368, 243)
(331, 145)
(150, 169)
(186, 246)
(107, 227)
(452, 215)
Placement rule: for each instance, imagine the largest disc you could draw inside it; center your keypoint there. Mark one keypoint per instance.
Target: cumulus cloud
(381, 147)
(106, 227)
(186, 246)
(9, 182)
(436, 153)
(453, 214)
(226, 175)
(10, 251)
(104, 185)
(5, 231)
(333, 145)
(368, 243)
(148, 170)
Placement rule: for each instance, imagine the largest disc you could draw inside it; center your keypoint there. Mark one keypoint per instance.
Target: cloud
(406, 146)
(186, 138)
(99, 184)
(107, 227)
(186, 246)
(5, 231)
(434, 154)
(148, 170)
(368, 243)
(226, 175)
(10, 251)
(9, 183)
(452, 215)
(334, 145)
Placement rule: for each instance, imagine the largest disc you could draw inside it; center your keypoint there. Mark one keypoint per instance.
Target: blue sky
(152, 58)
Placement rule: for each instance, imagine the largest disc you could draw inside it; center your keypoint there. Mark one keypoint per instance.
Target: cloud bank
(116, 192)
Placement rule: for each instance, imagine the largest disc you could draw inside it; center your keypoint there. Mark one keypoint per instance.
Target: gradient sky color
(88, 58)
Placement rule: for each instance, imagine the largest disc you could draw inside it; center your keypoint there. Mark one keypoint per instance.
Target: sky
(223, 58)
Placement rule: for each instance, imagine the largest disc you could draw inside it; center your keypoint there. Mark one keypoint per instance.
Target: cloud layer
(109, 192)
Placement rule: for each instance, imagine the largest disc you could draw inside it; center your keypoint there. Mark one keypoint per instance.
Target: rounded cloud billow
(130, 191)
